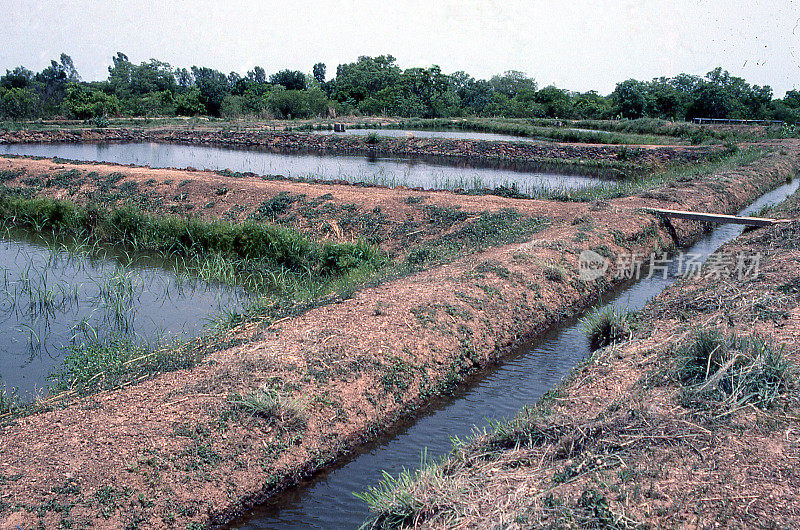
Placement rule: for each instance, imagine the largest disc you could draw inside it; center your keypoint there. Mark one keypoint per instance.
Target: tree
(184, 78)
(213, 86)
(52, 82)
(591, 105)
(792, 99)
(127, 79)
(19, 77)
(364, 78)
(289, 79)
(120, 73)
(554, 102)
(257, 75)
(512, 82)
(710, 101)
(18, 103)
(319, 72)
(662, 100)
(628, 98)
(69, 68)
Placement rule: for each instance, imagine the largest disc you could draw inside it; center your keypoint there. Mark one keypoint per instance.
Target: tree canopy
(371, 86)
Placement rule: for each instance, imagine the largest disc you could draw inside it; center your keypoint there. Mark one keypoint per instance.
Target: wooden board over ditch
(716, 218)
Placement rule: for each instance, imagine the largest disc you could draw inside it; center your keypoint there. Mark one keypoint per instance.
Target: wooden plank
(716, 218)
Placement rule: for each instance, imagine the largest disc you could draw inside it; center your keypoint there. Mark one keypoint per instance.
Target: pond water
(433, 133)
(53, 295)
(429, 173)
(327, 500)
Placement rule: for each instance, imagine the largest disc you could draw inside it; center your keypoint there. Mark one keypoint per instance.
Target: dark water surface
(53, 295)
(327, 500)
(429, 173)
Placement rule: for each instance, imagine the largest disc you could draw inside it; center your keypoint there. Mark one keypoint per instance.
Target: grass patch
(613, 189)
(730, 371)
(607, 325)
(272, 406)
(269, 245)
(98, 364)
(489, 229)
(399, 501)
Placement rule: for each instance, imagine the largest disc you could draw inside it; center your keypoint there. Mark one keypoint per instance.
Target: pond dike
(168, 452)
(588, 154)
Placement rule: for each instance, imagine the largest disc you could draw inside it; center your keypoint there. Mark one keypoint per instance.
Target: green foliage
(100, 121)
(189, 104)
(192, 237)
(628, 98)
(297, 103)
(18, 103)
(212, 86)
(92, 364)
(319, 73)
(374, 85)
(395, 502)
(84, 103)
(289, 79)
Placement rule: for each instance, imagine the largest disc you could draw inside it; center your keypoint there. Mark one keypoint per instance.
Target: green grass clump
(607, 325)
(396, 502)
(271, 405)
(730, 371)
(10, 402)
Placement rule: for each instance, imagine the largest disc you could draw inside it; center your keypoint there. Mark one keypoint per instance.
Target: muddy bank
(636, 437)
(638, 156)
(181, 447)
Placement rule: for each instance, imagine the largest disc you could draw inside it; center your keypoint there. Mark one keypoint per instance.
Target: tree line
(370, 86)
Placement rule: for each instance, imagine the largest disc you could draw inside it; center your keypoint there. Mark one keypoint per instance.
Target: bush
(84, 103)
(297, 104)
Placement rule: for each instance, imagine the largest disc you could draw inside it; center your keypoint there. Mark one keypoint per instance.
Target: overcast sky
(574, 44)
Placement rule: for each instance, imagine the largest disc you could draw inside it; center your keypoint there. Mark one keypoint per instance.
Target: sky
(577, 45)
